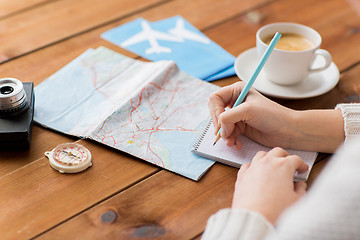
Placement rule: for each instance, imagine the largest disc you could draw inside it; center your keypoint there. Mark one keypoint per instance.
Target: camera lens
(6, 90)
(12, 95)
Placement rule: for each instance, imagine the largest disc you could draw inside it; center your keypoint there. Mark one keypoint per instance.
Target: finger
(235, 135)
(239, 129)
(300, 188)
(303, 168)
(216, 107)
(231, 132)
(230, 93)
(238, 144)
(237, 114)
(222, 98)
(217, 126)
(245, 111)
(230, 141)
(219, 100)
(278, 152)
(214, 117)
(243, 169)
(259, 155)
(297, 163)
(226, 128)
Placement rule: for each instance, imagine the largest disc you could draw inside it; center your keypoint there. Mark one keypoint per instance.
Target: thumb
(230, 117)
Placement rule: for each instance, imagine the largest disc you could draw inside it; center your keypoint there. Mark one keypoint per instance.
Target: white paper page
(229, 155)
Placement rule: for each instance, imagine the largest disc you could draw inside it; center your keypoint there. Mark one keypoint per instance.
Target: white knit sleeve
(351, 115)
(331, 208)
(237, 224)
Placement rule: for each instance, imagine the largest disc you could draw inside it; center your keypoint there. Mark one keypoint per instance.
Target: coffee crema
(291, 42)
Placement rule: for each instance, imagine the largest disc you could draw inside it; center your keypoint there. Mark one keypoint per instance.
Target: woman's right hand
(273, 125)
(257, 117)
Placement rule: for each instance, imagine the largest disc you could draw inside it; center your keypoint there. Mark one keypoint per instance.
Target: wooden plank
(37, 66)
(57, 55)
(62, 19)
(347, 90)
(36, 197)
(157, 221)
(12, 7)
(139, 212)
(340, 30)
(341, 37)
(128, 216)
(57, 20)
(23, 69)
(41, 141)
(202, 13)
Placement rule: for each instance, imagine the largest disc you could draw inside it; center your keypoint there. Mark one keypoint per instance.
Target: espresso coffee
(291, 42)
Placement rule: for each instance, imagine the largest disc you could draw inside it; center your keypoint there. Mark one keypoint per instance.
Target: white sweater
(330, 210)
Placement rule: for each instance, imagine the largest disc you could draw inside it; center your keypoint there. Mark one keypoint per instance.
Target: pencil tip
(216, 139)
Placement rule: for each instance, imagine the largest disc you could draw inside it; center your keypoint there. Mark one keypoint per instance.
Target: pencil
(248, 85)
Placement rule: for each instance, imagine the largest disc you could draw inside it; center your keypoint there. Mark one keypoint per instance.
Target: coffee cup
(293, 58)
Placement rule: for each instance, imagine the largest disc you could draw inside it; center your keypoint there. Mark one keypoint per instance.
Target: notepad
(203, 147)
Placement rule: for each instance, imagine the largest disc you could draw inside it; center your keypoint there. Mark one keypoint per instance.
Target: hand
(273, 125)
(257, 117)
(266, 185)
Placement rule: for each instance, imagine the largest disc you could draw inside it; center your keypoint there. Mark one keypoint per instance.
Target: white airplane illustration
(151, 35)
(181, 32)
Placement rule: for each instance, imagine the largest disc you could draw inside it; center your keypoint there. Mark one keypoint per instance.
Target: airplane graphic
(182, 32)
(177, 34)
(151, 35)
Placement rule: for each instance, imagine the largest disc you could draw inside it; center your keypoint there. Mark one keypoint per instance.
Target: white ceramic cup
(291, 67)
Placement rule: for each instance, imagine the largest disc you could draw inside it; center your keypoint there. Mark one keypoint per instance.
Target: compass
(69, 158)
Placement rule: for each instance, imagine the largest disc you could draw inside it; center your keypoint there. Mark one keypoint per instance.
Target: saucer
(313, 85)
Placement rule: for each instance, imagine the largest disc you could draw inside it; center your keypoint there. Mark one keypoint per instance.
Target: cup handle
(326, 55)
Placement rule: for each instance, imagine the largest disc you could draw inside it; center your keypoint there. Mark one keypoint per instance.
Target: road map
(150, 110)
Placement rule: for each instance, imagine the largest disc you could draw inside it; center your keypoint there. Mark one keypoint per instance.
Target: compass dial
(69, 158)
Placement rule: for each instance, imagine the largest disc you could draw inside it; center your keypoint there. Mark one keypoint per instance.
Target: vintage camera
(16, 114)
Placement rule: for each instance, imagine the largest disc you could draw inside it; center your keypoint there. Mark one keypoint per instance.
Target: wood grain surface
(120, 196)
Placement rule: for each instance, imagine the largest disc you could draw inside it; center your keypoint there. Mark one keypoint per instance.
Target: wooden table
(121, 197)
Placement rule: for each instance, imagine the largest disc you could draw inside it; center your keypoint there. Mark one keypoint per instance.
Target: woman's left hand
(266, 185)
